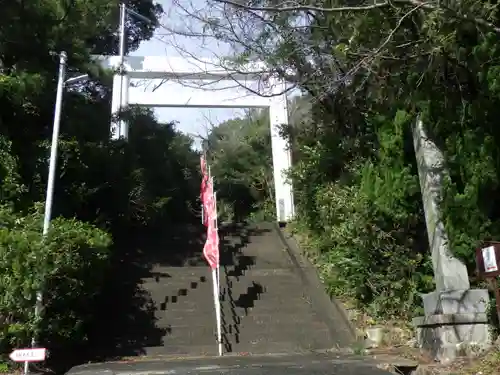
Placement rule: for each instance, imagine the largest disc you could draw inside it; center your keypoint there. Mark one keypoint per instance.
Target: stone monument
(455, 315)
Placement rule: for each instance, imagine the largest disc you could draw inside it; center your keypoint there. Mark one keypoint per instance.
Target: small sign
(28, 355)
(489, 259)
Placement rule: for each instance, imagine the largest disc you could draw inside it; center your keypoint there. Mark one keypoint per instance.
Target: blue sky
(191, 120)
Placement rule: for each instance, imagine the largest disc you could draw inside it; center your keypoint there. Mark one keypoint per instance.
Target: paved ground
(310, 364)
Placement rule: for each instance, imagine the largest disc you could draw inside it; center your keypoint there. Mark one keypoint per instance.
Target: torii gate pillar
(180, 69)
(119, 101)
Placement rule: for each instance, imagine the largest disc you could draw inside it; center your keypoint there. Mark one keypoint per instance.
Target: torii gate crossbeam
(182, 69)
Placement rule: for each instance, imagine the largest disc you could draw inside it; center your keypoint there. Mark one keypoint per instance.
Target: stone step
(264, 305)
(252, 259)
(264, 272)
(247, 258)
(280, 330)
(203, 300)
(259, 292)
(253, 348)
(178, 295)
(172, 271)
(240, 335)
(256, 318)
(230, 273)
(266, 282)
(319, 340)
(235, 318)
(272, 290)
(186, 338)
(229, 318)
(261, 306)
(266, 346)
(175, 284)
(282, 319)
(257, 307)
(243, 348)
(257, 322)
(272, 303)
(268, 301)
(276, 287)
(272, 346)
(189, 350)
(198, 278)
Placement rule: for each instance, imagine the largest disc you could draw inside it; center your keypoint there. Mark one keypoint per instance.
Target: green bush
(9, 178)
(372, 246)
(370, 231)
(68, 266)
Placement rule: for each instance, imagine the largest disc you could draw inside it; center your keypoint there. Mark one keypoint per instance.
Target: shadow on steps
(123, 318)
(234, 264)
(156, 275)
(124, 322)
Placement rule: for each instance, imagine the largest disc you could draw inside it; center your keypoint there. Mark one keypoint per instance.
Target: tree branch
(377, 5)
(305, 8)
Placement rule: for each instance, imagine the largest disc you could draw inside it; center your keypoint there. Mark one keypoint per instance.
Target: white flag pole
(217, 310)
(217, 279)
(217, 229)
(218, 249)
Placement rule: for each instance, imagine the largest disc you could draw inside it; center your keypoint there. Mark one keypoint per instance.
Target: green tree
(358, 65)
(108, 194)
(240, 157)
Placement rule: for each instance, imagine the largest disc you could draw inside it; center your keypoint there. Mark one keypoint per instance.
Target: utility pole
(49, 195)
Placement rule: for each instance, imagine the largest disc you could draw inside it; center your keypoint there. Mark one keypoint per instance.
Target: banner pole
(219, 322)
(217, 230)
(212, 226)
(217, 309)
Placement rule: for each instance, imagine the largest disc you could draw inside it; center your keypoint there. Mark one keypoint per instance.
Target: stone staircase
(266, 306)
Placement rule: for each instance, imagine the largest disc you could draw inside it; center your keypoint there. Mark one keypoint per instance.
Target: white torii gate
(185, 69)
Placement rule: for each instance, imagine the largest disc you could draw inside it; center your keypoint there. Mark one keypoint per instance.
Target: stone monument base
(455, 324)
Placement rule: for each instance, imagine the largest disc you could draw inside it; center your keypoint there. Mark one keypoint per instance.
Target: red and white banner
(211, 248)
(208, 201)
